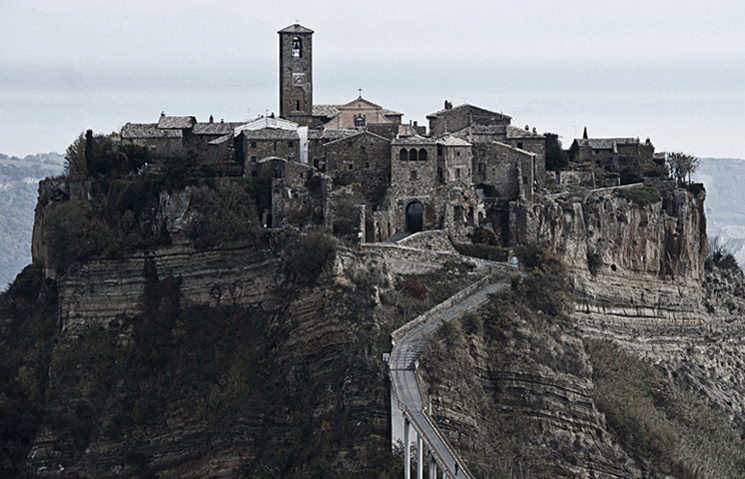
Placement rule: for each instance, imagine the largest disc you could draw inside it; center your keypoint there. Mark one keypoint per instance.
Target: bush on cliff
(311, 254)
(669, 423)
(227, 213)
(641, 196)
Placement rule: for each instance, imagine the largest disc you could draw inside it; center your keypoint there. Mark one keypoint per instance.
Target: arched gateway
(414, 216)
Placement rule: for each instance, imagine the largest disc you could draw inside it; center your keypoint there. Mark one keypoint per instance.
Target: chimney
(212, 120)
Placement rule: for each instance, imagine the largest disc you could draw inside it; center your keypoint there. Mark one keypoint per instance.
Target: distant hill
(19, 182)
(725, 203)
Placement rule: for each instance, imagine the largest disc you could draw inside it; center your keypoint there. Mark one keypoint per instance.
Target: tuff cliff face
(640, 276)
(262, 356)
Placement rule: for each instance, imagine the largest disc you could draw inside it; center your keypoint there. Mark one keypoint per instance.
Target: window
(404, 155)
(253, 144)
(351, 166)
(359, 120)
(362, 149)
(412, 154)
(291, 144)
(253, 159)
(520, 144)
(367, 164)
(482, 152)
(439, 150)
(412, 175)
(457, 173)
(297, 105)
(297, 48)
(422, 154)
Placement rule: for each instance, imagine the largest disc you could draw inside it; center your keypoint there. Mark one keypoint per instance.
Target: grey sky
(673, 71)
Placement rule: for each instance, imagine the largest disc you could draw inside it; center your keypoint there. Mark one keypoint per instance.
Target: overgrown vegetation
(309, 256)
(641, 196)
(720, 259)
(486, 245)
(417, 294)
(524, 327)
(122, 213)
(28, 310)
(666, 422)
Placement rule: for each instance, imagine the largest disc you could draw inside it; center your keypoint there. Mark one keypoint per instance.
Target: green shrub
(227, 213)
(310, 256)
(665, 422)
(641, 196)
(483, 251)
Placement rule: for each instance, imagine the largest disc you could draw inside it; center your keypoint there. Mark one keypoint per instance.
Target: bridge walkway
(409, 344)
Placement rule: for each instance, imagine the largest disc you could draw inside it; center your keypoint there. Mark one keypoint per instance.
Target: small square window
(253, 144)
(367, 164)
(351, 166)
(412, 175)
(291, 144)
(253, 159)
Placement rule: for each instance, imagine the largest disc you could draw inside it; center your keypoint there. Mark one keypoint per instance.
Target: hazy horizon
(670, 71)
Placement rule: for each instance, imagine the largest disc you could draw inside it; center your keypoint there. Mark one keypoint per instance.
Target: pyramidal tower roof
(296, 28)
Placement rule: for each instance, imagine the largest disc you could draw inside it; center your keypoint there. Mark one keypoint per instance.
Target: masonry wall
(257, 149)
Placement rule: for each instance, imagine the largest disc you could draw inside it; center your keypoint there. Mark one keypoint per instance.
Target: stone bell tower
(296, 74)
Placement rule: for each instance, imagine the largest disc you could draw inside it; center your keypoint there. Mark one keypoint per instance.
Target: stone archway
(414, 216)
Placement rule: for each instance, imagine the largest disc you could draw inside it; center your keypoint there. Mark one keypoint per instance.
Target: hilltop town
(358, 172)
(333, 292)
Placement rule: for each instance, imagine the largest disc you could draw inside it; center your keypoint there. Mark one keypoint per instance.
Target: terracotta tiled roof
(296, 28)
(147, 130)
(450, 140)
(605, 143)
(466, 105)
(214, 128)
(515, 132)
(176, 122)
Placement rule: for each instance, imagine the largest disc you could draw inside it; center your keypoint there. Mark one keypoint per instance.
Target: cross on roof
(360, 90)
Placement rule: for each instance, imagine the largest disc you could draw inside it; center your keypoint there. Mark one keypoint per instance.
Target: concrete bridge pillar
(419, 457)
(407, 449)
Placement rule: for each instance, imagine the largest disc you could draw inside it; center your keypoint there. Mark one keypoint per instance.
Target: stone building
(482, 128)
(270, 137)
(180, 136)
(358, 113)
(356, 168)
(612, 154)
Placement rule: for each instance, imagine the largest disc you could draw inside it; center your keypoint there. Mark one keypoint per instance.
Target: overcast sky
(673, 71)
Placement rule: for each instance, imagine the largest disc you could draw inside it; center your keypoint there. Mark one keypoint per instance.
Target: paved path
(406, 384)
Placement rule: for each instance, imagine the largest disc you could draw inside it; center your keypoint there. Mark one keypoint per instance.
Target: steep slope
(638, 376)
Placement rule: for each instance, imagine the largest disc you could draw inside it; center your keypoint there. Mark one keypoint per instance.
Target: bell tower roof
(296, 28)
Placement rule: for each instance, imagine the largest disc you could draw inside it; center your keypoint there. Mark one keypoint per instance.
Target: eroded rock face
(603, 232)
(322, 379)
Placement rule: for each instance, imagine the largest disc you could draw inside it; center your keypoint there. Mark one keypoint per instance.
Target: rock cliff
(532, 401)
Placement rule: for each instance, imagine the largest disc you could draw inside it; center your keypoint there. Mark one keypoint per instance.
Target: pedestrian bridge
(410, 412)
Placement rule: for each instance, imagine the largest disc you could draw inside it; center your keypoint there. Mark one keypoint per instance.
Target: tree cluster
(681, 165)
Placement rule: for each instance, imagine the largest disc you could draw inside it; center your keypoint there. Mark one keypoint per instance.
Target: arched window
(412, 154)
(404, 154)
(422, 154)
(297, 48)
